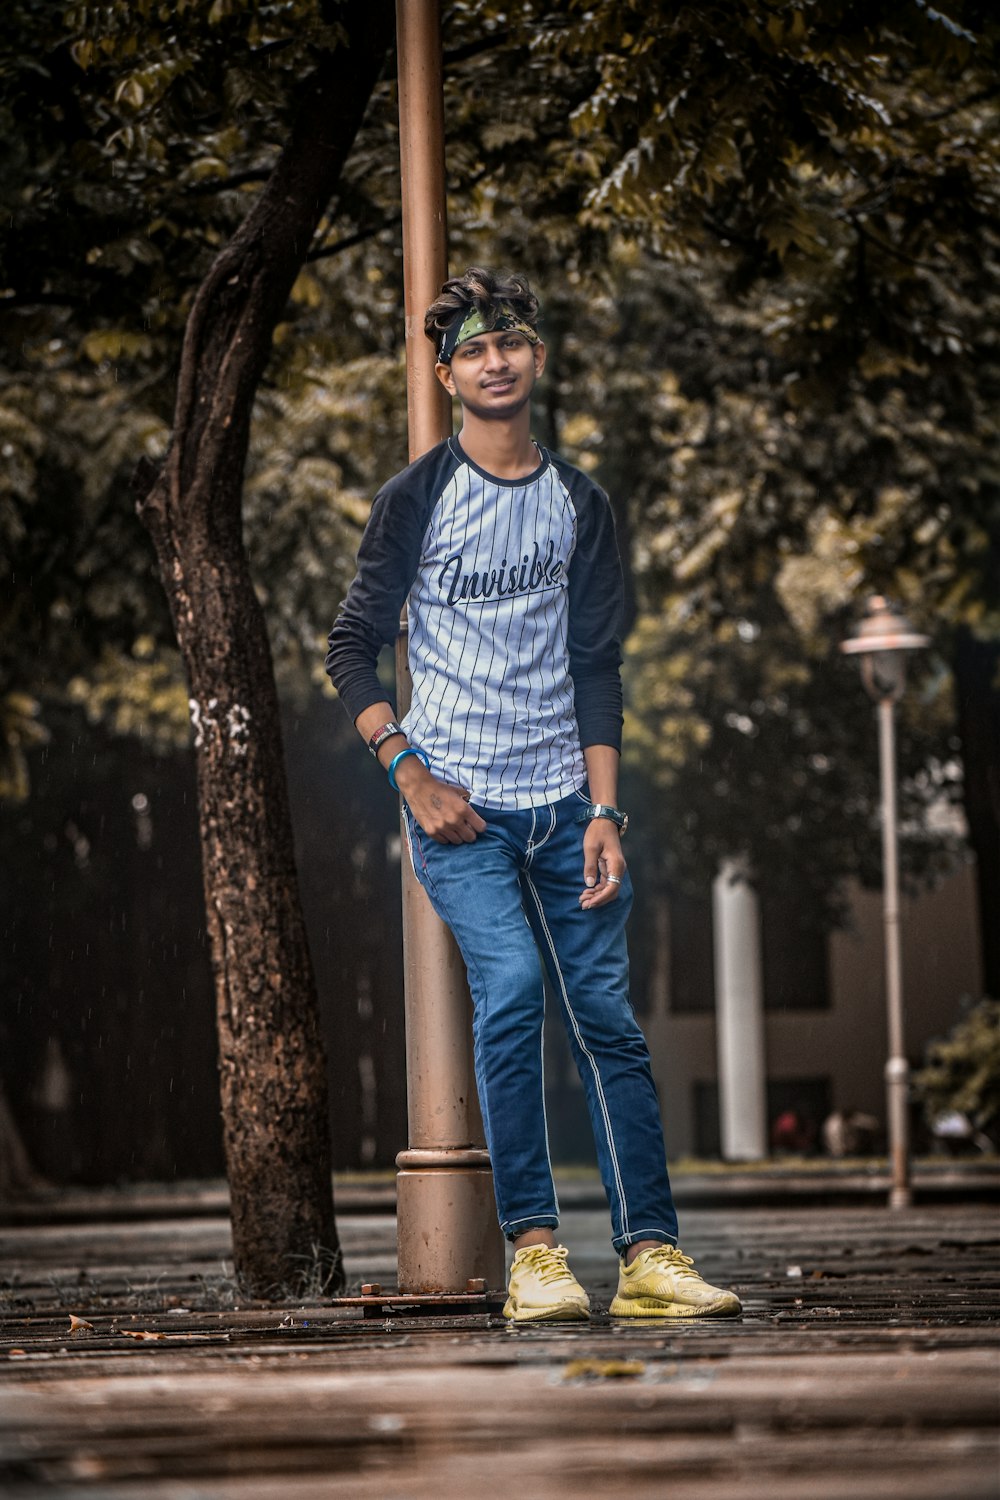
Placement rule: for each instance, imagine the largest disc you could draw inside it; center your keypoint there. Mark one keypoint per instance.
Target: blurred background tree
(766, 243)
(962, 1072)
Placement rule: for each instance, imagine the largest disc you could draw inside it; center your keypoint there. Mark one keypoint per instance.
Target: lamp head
(884, 636)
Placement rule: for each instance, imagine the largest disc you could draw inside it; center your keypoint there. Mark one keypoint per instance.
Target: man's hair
(487, 292)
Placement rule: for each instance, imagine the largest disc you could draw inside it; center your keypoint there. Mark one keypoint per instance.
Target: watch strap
(603, 810)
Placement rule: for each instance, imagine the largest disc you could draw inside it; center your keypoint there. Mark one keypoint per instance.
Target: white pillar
(739, 1015)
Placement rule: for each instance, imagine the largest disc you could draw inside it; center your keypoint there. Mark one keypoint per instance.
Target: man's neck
(501, 448)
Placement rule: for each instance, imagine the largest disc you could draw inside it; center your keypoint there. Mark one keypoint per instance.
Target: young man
(508, 765)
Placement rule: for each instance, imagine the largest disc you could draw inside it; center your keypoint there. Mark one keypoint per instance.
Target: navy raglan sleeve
(387, 564)
(596, 611)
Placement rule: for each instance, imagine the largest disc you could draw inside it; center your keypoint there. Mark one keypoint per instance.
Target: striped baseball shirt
(514, 596)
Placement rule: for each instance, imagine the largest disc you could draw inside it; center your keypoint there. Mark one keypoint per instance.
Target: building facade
(811, 1035)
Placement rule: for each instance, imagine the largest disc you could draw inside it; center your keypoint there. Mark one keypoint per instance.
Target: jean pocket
(418, 859)
(410, 831)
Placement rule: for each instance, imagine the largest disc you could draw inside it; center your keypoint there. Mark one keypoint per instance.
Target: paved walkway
(865, 1368)
(782, 1182)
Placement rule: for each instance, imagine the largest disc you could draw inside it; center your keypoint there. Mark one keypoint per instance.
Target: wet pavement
(865, 1365)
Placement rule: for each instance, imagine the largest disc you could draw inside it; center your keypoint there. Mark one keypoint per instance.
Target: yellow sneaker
(542, 1288)
(663, 1283)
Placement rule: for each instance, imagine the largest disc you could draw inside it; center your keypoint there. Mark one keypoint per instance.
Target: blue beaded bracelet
(410, 750)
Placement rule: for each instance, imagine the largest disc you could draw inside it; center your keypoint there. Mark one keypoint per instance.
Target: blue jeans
(517, 887)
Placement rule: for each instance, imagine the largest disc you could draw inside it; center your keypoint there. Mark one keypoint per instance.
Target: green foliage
(20, 732)
(962, 1071)
(139, 134)
(771, 295)
(322, 445)
(765, 239)
(84, 586)
(139, 693)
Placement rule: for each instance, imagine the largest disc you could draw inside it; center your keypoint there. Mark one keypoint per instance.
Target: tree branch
(227, 342)
(481, 47)
(911, 260)
(40, 299)
(224, 184)
(491, 43)
(956, 109)
(350, 240)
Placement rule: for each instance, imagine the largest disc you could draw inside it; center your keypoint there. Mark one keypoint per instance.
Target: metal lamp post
(883, 638)
(447, 1236)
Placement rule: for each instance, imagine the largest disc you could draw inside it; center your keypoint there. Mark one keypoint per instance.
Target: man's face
(493, 374)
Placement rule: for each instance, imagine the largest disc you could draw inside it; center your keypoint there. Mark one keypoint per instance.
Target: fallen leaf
(77, 1324)
(12, 1352)
(129, 1334)
(614, 1369)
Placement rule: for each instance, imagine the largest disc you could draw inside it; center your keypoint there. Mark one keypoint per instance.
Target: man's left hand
(603, 863)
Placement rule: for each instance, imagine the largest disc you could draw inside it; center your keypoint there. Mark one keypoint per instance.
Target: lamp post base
(897, 1079)
(446, 1227)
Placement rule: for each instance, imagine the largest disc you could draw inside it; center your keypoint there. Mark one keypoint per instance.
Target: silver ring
(613, 879)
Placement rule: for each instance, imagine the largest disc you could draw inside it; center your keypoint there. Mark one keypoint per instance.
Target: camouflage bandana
(474, 324)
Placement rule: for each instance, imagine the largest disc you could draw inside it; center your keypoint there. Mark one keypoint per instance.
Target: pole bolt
(371, 1289)
(475, 1284)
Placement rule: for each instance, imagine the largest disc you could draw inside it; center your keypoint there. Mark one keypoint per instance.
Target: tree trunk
(977, 667)
(18, 1178)
(271, 1056)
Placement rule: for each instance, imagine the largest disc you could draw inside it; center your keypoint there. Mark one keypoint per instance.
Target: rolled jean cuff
(525, 1226)
(622, 1242)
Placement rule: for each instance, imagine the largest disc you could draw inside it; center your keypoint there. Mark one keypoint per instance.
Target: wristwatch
(602, 810)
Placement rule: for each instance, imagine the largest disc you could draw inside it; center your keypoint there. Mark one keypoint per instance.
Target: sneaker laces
(549, 1262)
(672, 1258)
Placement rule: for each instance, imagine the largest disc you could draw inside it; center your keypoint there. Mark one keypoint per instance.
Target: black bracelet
(381, 735)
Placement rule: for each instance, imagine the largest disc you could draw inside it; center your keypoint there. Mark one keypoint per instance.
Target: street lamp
(883, 638)
(447, 1234)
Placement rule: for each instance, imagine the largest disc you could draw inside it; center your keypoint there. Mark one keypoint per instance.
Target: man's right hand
(442, 811)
